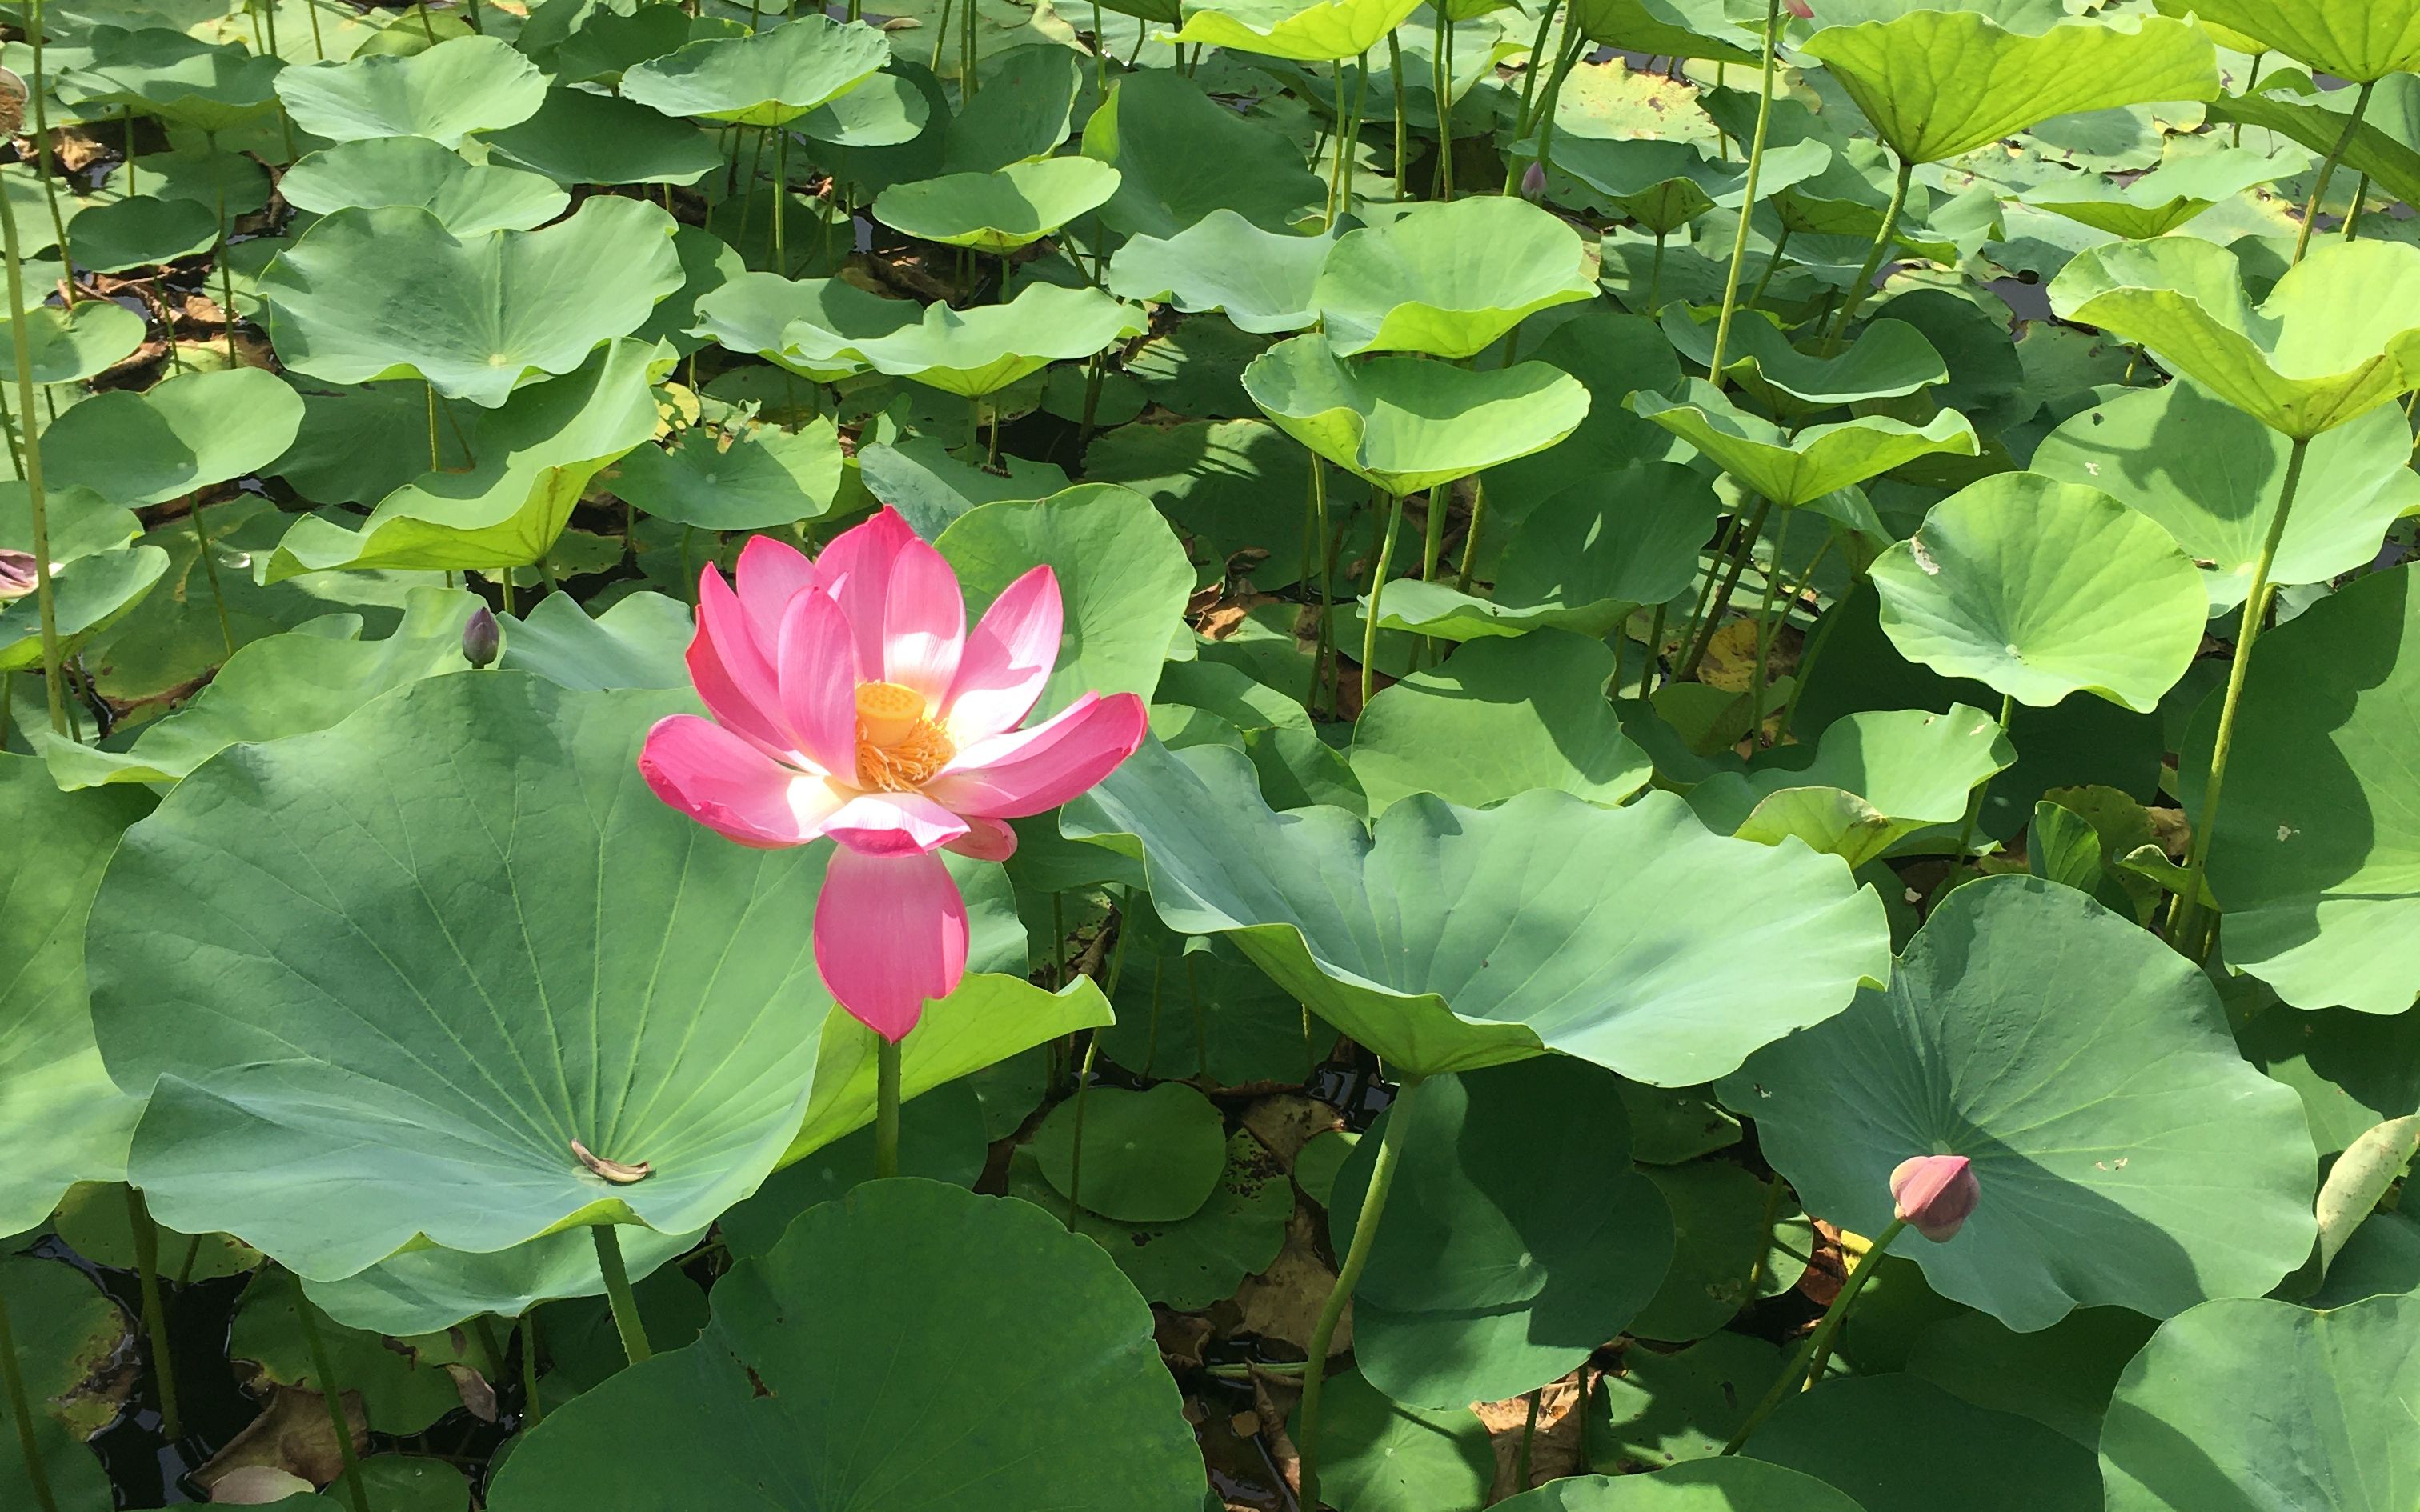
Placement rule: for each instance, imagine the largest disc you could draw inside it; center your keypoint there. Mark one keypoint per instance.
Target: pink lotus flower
(1935, 1193)
(849, 700)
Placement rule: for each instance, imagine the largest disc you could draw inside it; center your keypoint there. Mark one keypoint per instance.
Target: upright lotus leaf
(766, 78)
(998, 211)
(2383, 144)
(2315, 856)
(1798, 467)
(1458, 938)
(142, 231)
(1321, 31)
(1019, 109)
(88, 595)
(183, 434)
(2362, 41)
(808, 325)
(804, 1396)
(378, 172)
(889, 109)
(1490, 1275)
(2337, 337)
(745, 478)
(1912, 766)
(1405, 423)
(1665, 184)
(2127, 1155)
(2255, 1404)
(461, 85)
(2040, 589)
(1261, 279)
(475, 316)
(2211, 473)
(1713, 1485)
(1939, 83)
(67, 345)
(430, 1290)
(582, 138)
(158, 72)
(62, 1118)
(1449, 278)
(537, 454)
(989, 347)
(1182, 155)
(2179, 191)
(1889, 359)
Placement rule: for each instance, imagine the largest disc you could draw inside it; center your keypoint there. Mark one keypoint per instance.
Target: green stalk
(155, 1312)
(1747, 200)
(1323, 638)
(1403, 122)
(1377, 586)
(21, 1403)
(1764, 281)
(530, 1408)
(1864, 286)
(1721, 603)
(226, 274)
(1649, 674)
(1818, 1347)
(1764, 631)
(46, 603)
(2251, 82)
(886, 1107)
(1655, 275)
(1076, 1150)
(2186, 920)
(967, 81)
(1433, 530)
(332, 1394)
(2328, 169)
(1336, 173)
(1529, 1437)
(1350, 148)
(1357, 1257)
(782, 196)
(42, 151)
(211, 570)
(1441, 84)
(1529, 72)
(1974, 814)
(1471, 534)
(618, 1295)
(2352, 217)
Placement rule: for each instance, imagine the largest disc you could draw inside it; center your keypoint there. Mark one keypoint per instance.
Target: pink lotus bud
(482, 638)
(1935, 1193)
(16, 576)
(1533, 182)
(1799, 8)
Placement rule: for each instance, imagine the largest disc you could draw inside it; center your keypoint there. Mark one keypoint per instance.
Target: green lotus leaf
(1662, 1409)
(1889, 358)
(1936, 83)
(1670, 28)
(1854, 1435)
(538, 452)
(378, 172)
(1377, 1454)
(766, 78)
(808, 326)
(183, 434)
(81, 522)
(1152, 1156)
(1733, 1246)
(1499, 718)
(142, 231)
(1735, 1485)
(1664, 185)
(1018, 112)
(581, 138)
(1407, 423)
(637, 642)
(67, 1121)
(2127, 1156)
(1912, 766)
(1480, 1284)
(1320, 31)
(886, 110)
(750, 479)
(983, 349)
(801, 1396)
(1449, 278)
(2225, 36)
(2040, 589)
(1182, 155)
(461, 85)
(2210, 474)
(1793, 469)
(2357, 40)
(88, 594)
(1261, 279)
(2336, 338)
(1528, 943)
(158, 72)
(2163, 199)
(2384, 143)
(2251, 1403)
(64, 345)
(2061, 1376)
(66, 1329)
(1198, 1261)
(1230, 486)
(998, 211)
(941, 1138)
(2316, 854)
(476, 316)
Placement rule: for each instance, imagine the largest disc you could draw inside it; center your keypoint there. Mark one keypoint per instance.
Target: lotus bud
(1799, 8)
(1936, 1194)
(1533, 182)
(17, 575)
(481, 638)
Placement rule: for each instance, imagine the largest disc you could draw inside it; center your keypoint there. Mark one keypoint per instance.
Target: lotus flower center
(899, 747)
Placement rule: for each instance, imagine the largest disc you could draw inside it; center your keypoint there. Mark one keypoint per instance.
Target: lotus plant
(849, 700)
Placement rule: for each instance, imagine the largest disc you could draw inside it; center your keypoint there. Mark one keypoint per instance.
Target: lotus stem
(967, 83)
(1529, 1437)
(1655, 275)
(1865, 284)
(226, 274)
(1403, 121)
(618, 1295)
(1756, 681)
(886, 1107)
(1530, 73)
(1440, 503)
(530, 1411)
(31, 468)
(2328, 171)
(1741, 550)
(334, 1394)
(2353, 218)
(1470, 534)
(155, 1313)
(21, 1404)
(311, 8)
(429, 28)
(1441, 85)
(2185, 921)
(1748, 194)
(2251, 82)
(1650, 675)
(1323, 640)
(1755, 295)
(1574, 43)
(1349, 146)
(1357, 1258)
(1974, 815)
(211, 570)
(1813, 1355)
(781, 198)
(1075, 1152)
(1377, 587)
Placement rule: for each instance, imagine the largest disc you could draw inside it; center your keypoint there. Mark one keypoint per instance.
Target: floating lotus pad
(379, 171)
(1793, 469)
(156, 72)
(141, 231)
(986, 349)
(1263, 280)
(461, 85)
(1449, 278)
(764, 78)
(64, 345)
(998, 211)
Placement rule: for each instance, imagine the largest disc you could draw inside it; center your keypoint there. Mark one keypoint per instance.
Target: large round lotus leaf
(1376, 1454)
(81, 522)
(141, 231)
(1936, 83)
(1700, 1486)
(998, 211)
(2061, 1376)
(183, 434)
(1152, 1156)
(1892, 1443)
(1912, 766)
(582, 138)
(2127, 1155)
(1500, 718)
(76, 342)
(2040, 589)
(379, 171)
(461, 85)
(1459, 938)
(430, 1290)
(476, 315)
(749, 479)
(2336, 338)
(2245, 1405)
(537, 455)
(1670, 29)
(2211, 475)
(2178, 191)
(1493, 1273)
(1652, 1408)
(2315, 856)
(2356, 40)
(1407, 423)
(159, 72)
(986, 349)
(1197, 1262)
(1793, 468)
(87, 595)
(886, 109)
(1889, 359)
(809, 326)
(1183, 156)
(1732, 1246)
(1019, 109)
(763, 79)
(1318, 32)
(1449, 278)
(62, 1117)
(1263, 280)
(807, 1397)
